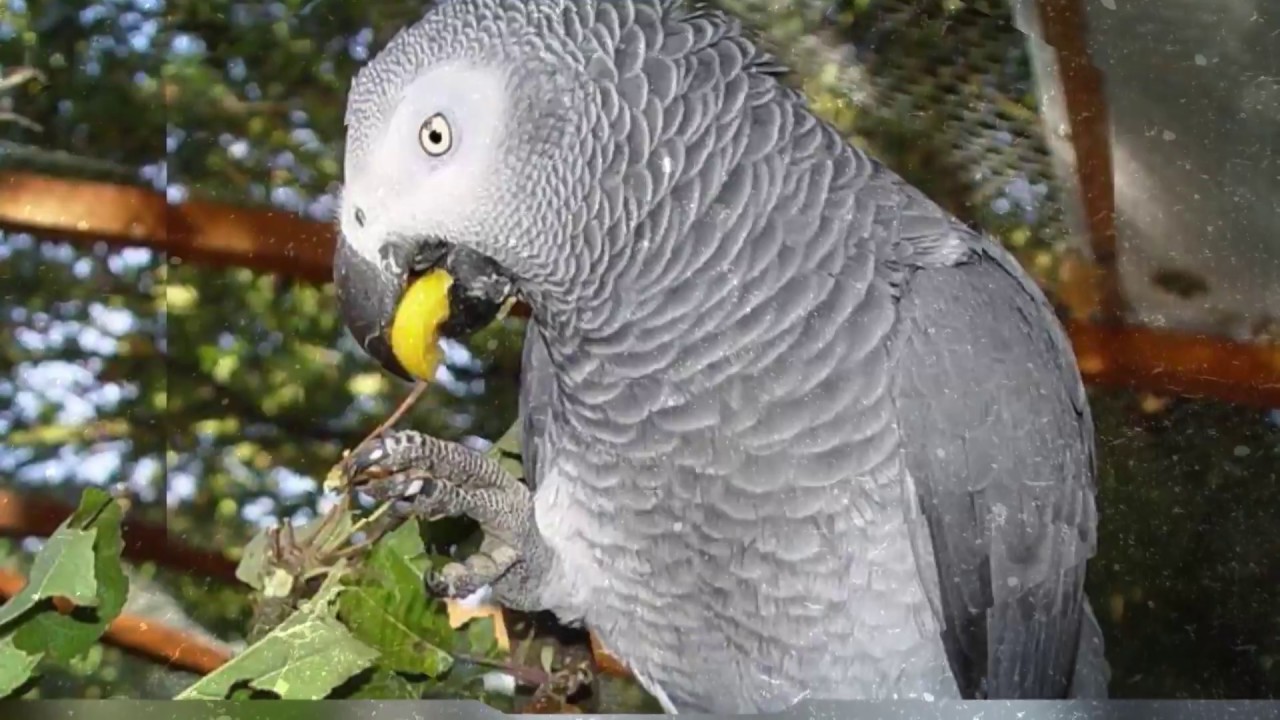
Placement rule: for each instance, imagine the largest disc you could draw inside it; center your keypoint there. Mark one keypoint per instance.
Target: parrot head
(464, 178)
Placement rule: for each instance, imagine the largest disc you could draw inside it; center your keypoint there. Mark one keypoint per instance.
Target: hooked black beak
(369, 293)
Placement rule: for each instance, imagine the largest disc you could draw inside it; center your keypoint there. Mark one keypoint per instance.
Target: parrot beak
(398, 316)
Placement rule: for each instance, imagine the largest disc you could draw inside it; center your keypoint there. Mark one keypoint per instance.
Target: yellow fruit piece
(415, 331)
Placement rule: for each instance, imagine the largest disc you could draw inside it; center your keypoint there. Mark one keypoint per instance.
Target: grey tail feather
(1092, 672)
(655, 690)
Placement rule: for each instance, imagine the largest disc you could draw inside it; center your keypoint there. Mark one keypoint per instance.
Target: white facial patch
(398, 188)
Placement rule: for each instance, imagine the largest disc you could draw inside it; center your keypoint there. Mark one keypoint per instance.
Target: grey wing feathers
(536, 383)
(999, 443)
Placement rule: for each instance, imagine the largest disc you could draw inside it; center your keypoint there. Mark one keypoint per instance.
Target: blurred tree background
(218, 399)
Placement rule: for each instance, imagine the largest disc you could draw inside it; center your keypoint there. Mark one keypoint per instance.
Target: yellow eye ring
(435, 136)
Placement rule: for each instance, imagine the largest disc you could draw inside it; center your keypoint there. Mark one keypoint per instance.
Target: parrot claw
(453, 581)
(382, 457)
(429, 478)
(458, 580)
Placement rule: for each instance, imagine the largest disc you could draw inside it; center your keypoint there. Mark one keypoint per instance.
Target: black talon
(359, 463)
(436, 585)
(428, 478)
(366, 463)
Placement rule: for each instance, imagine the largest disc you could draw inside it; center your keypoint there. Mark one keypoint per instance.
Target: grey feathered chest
(722, 472)
(746, 478)
(805, 433)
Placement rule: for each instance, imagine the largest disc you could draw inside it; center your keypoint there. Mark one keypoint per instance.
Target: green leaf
(305, 658)
(399, 558)
(547, 659)
(251, 570)
(507, 451)
(62, 637)
(480, 637)
(625, 696)
(387, 685)
(403, 626)
(63, 568)
(16, 666)
(392, 612)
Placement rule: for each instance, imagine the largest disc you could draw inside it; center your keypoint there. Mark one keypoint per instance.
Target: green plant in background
(79, 564)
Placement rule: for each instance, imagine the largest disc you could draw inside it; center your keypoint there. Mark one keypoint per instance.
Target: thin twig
(13, 117)
(525, 675)
(405, 405)
(337, 475)
(373, 516)
(408, 403)
(374, 537)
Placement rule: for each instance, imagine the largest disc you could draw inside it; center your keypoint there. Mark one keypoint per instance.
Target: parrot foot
(430, 478)
(458, 580)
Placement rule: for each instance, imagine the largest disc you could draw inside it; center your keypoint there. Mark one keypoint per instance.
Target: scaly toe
(452, 581)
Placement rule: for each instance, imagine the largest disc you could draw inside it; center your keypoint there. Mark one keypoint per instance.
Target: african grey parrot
(790, 430)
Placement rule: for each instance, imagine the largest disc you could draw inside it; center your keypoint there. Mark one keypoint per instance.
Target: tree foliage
(215, 401)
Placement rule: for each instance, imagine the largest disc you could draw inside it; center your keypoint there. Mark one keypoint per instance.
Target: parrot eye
(435, 136)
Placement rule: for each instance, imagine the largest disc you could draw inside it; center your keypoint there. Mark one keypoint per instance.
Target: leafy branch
(76, 587)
